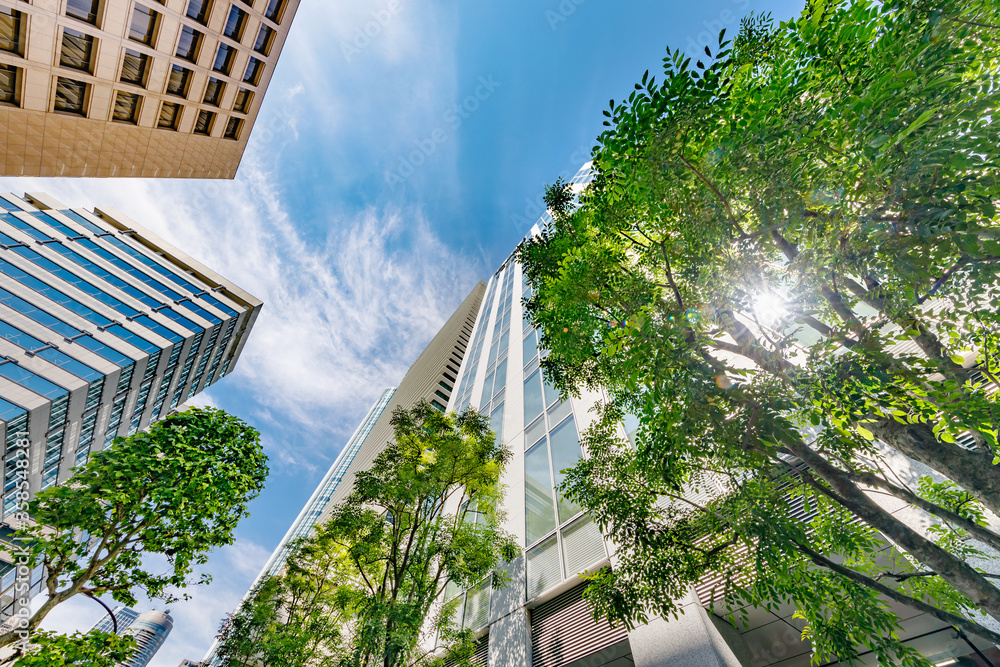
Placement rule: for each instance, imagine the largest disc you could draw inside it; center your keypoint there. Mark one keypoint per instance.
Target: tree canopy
(786, 268)
(424, 516)
(177, 491)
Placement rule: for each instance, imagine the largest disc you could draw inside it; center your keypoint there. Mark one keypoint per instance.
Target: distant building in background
(154, 88)
(104, 328)
(124, 616)
(189, 663)
(150, 631)
(432, 378)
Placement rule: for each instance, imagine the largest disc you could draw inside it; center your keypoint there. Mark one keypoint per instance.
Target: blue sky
(386, 174)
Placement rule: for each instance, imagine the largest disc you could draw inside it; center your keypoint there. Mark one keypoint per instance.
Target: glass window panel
(496, 422)
(84, 10)
(188, 43)
(8, 84)
(243, 98)
(169, 113)
(532, 397)
(504, 338)
(10, 30)
(233, 128)
(177, 82)
(70, 95)
(534, 432)
(235, 23)
(213, 92)
(134, 67)
(477, 606)
(252, 74)
(543, 567)
(493, 353)
(551, 393)
(126, 107)
(273, 10)
(224, 59)
(143, 24)
(198, 10)
(557, 412)
(487, 391)
(565, 454)
(204, 123)
(528, 347)
(583, 545)
(540, 518)
(29, 380)
(265, 37)
(501, 377)
(77, 50)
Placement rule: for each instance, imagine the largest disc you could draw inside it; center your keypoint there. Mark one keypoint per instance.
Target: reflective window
(265, 37)
(143, 25)
(233, 128)
(565, 454)
(84, 10)
(224, 59)
(540, 518)
(198, 10)
(532, 397)
(243, 98)
(274, 9)
(70, 96)
(188, 43)
(54, 356)
(204, 123)
(8, 83)
(235, 23)
(177, 82)
(252, 74)
(77, 50)
(134, 66)
(126, 107)
(30, 381)
(170, 114)
(11, 22)
(213, 91)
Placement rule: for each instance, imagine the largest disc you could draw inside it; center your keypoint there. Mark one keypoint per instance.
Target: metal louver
(562, 630)
(583, 545)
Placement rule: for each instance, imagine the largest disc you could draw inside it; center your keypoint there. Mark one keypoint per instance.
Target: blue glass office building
(104, 328)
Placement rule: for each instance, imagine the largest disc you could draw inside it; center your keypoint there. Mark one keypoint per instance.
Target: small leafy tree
(178, 490)
(296, 618)
(93, 649)
(424, 515)
(786, 268)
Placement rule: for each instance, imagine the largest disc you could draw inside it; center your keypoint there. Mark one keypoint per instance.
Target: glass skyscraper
(150, 631)
(104, 328)
(124, 617)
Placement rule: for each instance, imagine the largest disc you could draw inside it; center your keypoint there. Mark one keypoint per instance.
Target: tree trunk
(973, 470)
(952, 569)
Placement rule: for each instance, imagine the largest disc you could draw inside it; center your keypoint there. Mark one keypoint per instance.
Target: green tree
(178, 491)
(786, 268)
(297, 618)
(93, 649)
(424, 515)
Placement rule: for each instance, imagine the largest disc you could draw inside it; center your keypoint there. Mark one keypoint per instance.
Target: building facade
(432, 378)
(124, 617)
(146, 88)
(104, 328)
(150, 631)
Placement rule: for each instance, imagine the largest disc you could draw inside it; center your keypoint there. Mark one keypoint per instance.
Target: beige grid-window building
(145, 88)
